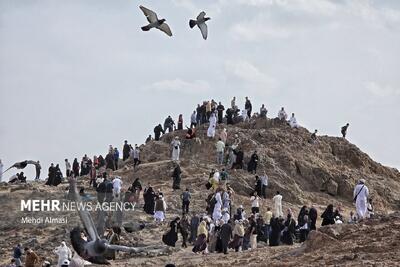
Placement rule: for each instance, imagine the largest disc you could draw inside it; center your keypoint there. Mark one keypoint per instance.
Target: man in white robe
(293, 122)
(360, 195)
(212, 126)
(217, 212)
(117, 185)
(277, 199)
(63, 252)
(176, 148)
(282, 114)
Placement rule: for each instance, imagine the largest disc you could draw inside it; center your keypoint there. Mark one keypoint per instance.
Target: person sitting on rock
(282, 114)
(313, 137)
(293, 122)
(21, 177)
(353, 218)
(191, 133)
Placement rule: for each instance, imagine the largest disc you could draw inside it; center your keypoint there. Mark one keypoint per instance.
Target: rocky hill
(320, 173)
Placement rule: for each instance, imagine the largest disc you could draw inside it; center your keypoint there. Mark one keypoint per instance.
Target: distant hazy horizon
(77, 76)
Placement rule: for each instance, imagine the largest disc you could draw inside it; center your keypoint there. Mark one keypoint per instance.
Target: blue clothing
(17, 253)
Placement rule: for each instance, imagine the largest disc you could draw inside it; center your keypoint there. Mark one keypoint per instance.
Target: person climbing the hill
(176, 175)
(136, 156)
(263, 112)
(185, 197)
(180, 122)
(360, 196)
(277, 199)
(223, 135)
(225, 235)
(328, 216)
(238, 234)
(212, 127)
(193, 119)
(220, 147)
(149, 197)
(293, 122)
(184, 227)
(117, 185)
(252, 165)
(169, 124)
(255, 203)
(157, 132)
(194, 224)
(264, 184)
(176, 144)
(159, 209)
(126, 151)
(136, 188)
(200, 245)
(248, 107)
(239, 155)
(344, 130)
(171, 236)
(282, 114)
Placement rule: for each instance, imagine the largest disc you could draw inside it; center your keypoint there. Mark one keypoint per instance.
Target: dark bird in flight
(201, 23)
(154, 22)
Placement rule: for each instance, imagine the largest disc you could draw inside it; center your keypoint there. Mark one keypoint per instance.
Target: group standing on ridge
(224, 224)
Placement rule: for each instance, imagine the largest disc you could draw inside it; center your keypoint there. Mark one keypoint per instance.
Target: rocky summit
(321, 173)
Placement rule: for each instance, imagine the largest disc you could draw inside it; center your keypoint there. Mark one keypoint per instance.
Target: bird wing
(165, 28)
(204, 30)
(83, 213)
(151, 248)
(150, 15)
(201, 15)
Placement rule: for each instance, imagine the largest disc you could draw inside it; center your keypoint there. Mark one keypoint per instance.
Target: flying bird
(22, 164)
(154, 22)
(94, 248)
(201, 23)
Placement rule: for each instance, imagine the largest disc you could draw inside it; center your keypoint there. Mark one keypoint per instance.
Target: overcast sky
(76, 76)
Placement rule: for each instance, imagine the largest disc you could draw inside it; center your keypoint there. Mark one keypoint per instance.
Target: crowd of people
(224, 224)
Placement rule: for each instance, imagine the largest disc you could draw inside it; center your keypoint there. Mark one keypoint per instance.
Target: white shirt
(220, 146)
(67, 165)
(193, 118)
(264, 180)
(136, 153)
(117, 183)
(255, 201)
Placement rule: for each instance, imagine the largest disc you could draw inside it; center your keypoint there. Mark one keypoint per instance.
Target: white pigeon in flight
(154, 22)
(201, 23)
